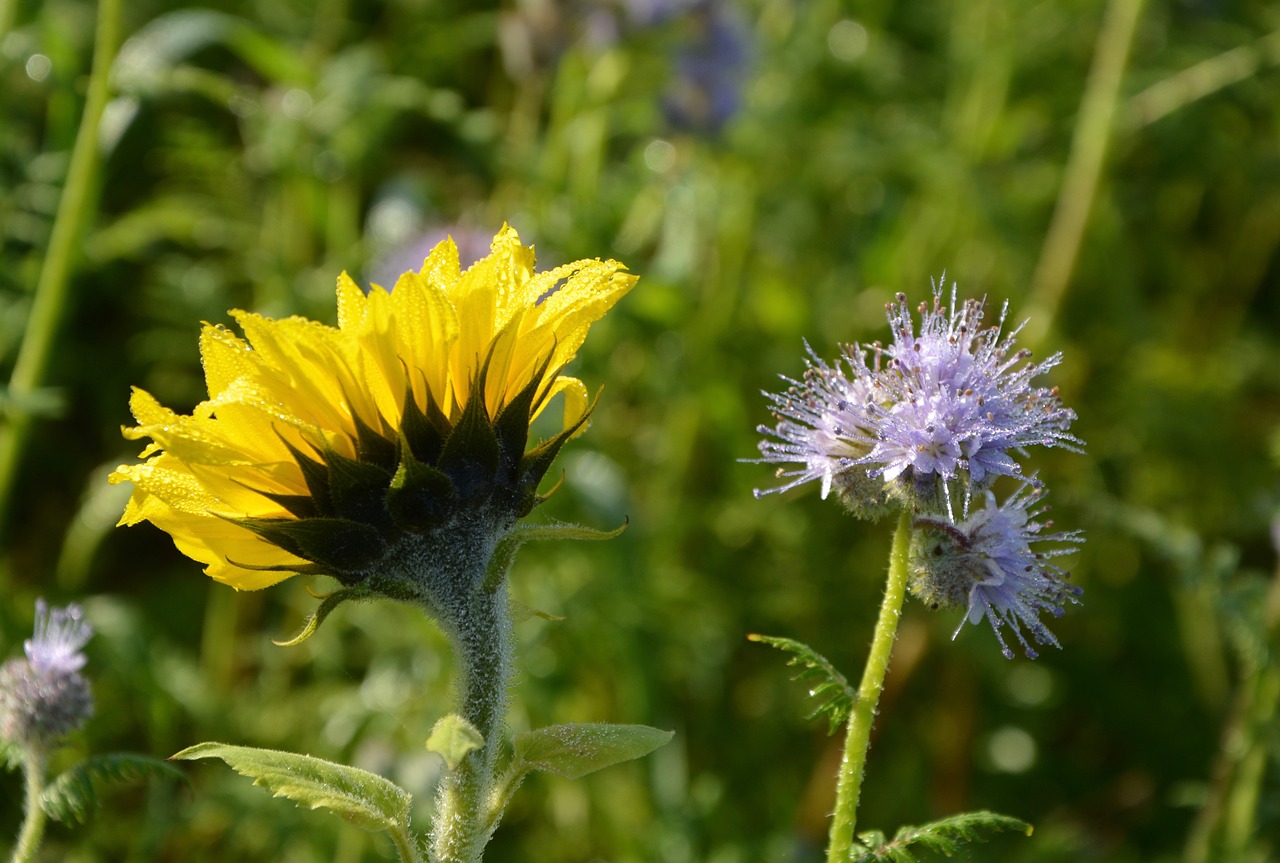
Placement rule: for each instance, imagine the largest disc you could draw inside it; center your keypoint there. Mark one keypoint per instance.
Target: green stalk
(482, 639)
(8, 14)
(51, 289)
(1084, 167)
(33, 823)
(858, 737)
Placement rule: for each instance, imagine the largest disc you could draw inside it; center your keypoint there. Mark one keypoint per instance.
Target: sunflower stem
(32, 831)
(858, 736)
(482, 640)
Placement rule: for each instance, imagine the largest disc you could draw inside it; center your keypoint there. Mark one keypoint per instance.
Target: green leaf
(452, 738)
(505, 554)
(11, 754)
(328, 603)
(521, 612)
(830, 690)
(944, 836)
(579, 748)
(363, 798)
(74, 793)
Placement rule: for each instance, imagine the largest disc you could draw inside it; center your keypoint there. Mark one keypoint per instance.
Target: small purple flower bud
(985, 565)
(44, 697)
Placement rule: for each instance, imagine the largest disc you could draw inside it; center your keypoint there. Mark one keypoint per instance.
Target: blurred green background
(775, 171)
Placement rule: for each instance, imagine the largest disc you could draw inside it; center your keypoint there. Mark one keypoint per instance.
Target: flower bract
(340, 450)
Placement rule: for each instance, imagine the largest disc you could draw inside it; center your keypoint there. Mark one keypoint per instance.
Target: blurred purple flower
(44, 697)
(707, 91)
(472, 245)
(60, 635)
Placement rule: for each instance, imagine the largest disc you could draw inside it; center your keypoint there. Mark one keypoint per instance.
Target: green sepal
(302, 569)
(362, 798)
(328, 603)
(358, 489)
(504, 554)
(537, 461)
(314, 473)
(511, 425)
(419, 495)
(340, 545)
(471, 454)
(373, 447)
(452, 738)
(423, 433)
(944, 836)
(74, 794)
(831, 692)
(297, 505)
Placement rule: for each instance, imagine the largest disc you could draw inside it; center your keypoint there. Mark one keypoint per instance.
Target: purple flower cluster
(985, 565)
(940, 411)
(44, 697)
(954, 401)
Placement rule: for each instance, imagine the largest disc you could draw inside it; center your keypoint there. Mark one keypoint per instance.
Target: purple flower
(985, 565)
(954, 401)
(958, 396)
(44, 697)
(824, 425)
(60, 635)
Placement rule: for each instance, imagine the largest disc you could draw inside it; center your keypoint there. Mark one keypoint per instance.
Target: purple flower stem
(858, 737)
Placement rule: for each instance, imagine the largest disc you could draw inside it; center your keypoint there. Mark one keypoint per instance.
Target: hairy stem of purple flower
(858, 736)
(34, 819)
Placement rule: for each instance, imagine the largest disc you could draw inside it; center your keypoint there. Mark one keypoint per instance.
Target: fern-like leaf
(831, 692)
(74, 794)
(944, 836)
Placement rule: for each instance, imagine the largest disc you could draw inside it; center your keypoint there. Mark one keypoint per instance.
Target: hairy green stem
(858, 737)
(55, 273)
(482, 639)
(34, 820)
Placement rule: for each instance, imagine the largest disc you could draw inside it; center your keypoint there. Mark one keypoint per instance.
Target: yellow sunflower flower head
(385, 446)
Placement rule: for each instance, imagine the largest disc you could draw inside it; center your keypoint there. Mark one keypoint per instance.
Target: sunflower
(372, 448)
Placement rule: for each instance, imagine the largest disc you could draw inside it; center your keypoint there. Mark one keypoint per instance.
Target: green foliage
(505, 554)
(945, 836)
(362, 798)
(874, 146)
(11, 755)
(328, 603)
(76, 792)
(576, 749)
(452, 738)
(832, 694)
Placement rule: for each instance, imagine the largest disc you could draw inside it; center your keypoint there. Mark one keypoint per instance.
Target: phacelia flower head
(375, 446)
(985, 565)
(954, 401)
(825, 425)
(44, 697)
